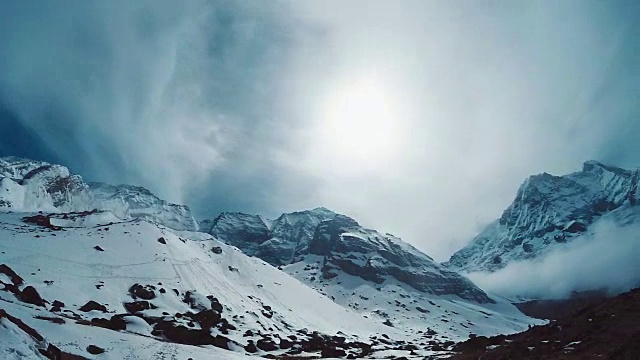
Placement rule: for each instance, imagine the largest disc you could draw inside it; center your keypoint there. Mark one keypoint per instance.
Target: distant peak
(322, 209)
(592, 165)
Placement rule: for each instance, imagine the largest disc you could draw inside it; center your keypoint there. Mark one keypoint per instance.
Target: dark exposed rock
(332, 353)
(51, 351)
(266, 345)
(142, 292)
(216, 250)
(288, 239)
(137, 306)
(31, 296)
(97, 247)
(607, 329)
(208, 318)
(41, 220)
(92, 305)
(184, 335)
(54, 353)
(55, 320)
(161, 240)
(251, 347)
(215, 304)
(285, 344)
(576, 227)
(15, 278)
(57, 305)
(21, 325)
(116, 323)
(95, 350)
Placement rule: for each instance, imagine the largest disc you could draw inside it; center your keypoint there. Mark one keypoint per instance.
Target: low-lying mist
(607, 259)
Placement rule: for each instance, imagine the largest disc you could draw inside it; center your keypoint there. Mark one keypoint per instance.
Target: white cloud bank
(607, 259)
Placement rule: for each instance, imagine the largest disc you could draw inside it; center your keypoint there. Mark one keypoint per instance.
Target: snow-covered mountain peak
(344, 245)
(308, 216)
(138, 202)
(29, 185)
(14, 167)
(35, 185)
(549, 210)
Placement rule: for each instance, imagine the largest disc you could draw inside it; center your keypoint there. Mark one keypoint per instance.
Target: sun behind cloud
(359, 126)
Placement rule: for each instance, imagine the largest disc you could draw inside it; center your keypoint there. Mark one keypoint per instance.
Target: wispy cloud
(218, 104)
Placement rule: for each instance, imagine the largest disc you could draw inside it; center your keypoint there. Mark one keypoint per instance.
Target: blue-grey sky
(419, 118)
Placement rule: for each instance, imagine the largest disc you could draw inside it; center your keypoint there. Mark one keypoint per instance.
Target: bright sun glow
(359, 124)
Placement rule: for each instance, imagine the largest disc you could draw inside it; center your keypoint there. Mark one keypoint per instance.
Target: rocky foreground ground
(607, 329)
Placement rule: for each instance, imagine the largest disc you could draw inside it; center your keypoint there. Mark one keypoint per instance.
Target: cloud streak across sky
(223, 104)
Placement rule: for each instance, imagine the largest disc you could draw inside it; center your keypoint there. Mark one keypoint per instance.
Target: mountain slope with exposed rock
(549, 211)
(377, 275)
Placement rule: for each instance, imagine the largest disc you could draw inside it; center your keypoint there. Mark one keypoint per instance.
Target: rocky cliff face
(549, 210)
(28, 185)
(32, 185)
(344, 247)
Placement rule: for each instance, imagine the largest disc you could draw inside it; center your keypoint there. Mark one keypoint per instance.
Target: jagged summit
(549, 210)
(15, 167)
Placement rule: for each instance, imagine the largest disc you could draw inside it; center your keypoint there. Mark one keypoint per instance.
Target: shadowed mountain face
(344, 247)
(551, 210)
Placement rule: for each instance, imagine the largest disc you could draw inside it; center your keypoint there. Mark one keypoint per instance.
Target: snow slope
(73, 259)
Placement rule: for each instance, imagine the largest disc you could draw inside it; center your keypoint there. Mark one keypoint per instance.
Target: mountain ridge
(343, 243)
(549, 210)
(29, 185)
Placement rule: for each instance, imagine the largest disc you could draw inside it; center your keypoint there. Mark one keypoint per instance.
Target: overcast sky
(419, 118)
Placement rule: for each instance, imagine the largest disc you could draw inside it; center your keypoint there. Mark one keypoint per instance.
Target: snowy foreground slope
(249, 300)
(139, 290)
(550, 211)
